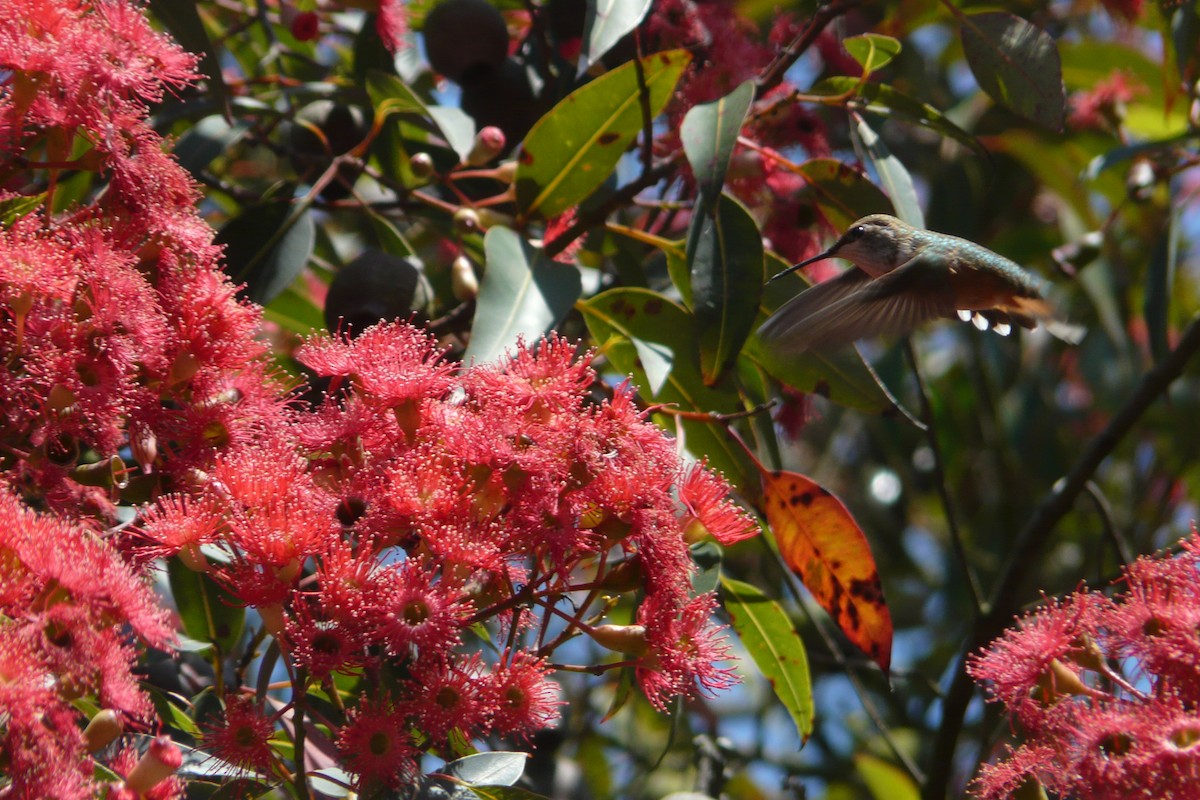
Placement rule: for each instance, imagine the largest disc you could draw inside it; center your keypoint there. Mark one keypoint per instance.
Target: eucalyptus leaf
(608, 21)
(726, 272)
(497, 767)
(709, 133)
(771, 640)
(895, 178)
(888, 101)
(207, 611)
(573, 149)
(873, 51)
(1017, 65)
(842, 193)
(523, 295)
(266, 247)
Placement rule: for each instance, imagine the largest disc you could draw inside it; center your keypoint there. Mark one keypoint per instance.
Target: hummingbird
(903, 276)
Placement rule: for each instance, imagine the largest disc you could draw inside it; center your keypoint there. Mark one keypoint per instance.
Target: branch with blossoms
(1102, 690)
(380, 534)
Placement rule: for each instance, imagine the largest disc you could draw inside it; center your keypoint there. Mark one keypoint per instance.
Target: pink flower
(1105, 691)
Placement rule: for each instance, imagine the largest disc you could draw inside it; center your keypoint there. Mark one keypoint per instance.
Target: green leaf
(523, 295)
(295, 311)
(576, 146)
(207, 611)
(390, 95)
(388, 236)
(873, 51)
(457, 128)
(182, 19)
(266, 247)
(495, 768)
(707, 556)
(1185, 36)
(1128, 152)
(633, 326)
(771, 640)
(886, 781)
(1017, 65)
(169, 712)
(207, 139)
(1160, 281)
(709, 132)
(895, 178)
(14, 208)
(726, 270)
(607, 22)
(842, 193)
(890, 102)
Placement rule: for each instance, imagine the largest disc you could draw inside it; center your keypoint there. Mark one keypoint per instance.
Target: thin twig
(1033, 538)
(712, 416)
(1105, 510)
(775, 71)
(939, 474)
(644, 102)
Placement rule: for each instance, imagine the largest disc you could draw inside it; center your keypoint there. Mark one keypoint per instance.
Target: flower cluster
(375, 532)
(65, 598)
(119, 329)
(1105, 690)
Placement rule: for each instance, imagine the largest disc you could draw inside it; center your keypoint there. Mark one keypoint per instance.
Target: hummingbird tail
(1037, 308)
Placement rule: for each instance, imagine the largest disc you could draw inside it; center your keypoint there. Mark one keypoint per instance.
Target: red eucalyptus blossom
(1104, 690)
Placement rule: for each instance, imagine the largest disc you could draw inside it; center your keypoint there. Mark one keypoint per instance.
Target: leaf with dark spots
(575, 147)
(654, 307)
(772, 641)
(820, 541)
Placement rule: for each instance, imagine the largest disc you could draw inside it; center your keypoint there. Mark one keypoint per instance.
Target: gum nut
(374, 287)
(465, 39)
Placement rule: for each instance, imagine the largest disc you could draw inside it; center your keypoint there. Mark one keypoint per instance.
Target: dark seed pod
(505, 99)
(465, 40)
(374, 287)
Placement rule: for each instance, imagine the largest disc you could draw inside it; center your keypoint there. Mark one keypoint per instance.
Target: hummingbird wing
(789, 320)
(857, 307)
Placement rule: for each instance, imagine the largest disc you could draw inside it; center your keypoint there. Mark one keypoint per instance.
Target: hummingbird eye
(856, 232)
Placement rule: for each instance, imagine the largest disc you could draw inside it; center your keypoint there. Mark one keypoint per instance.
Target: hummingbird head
(876, 244)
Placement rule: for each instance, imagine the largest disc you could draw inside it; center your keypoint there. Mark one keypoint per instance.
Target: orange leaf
(822, 543)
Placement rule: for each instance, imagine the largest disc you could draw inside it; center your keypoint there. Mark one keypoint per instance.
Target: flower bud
(304, 25)
(102, 730)
(490, 219)
(507, 171)
(421, 165)
(1140, 180)
(463, 283)
(489, 143)
(629, 639)
(466, 220)
(157, 764)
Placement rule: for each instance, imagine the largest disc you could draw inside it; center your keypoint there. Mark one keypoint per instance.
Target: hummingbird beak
(820, 257)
